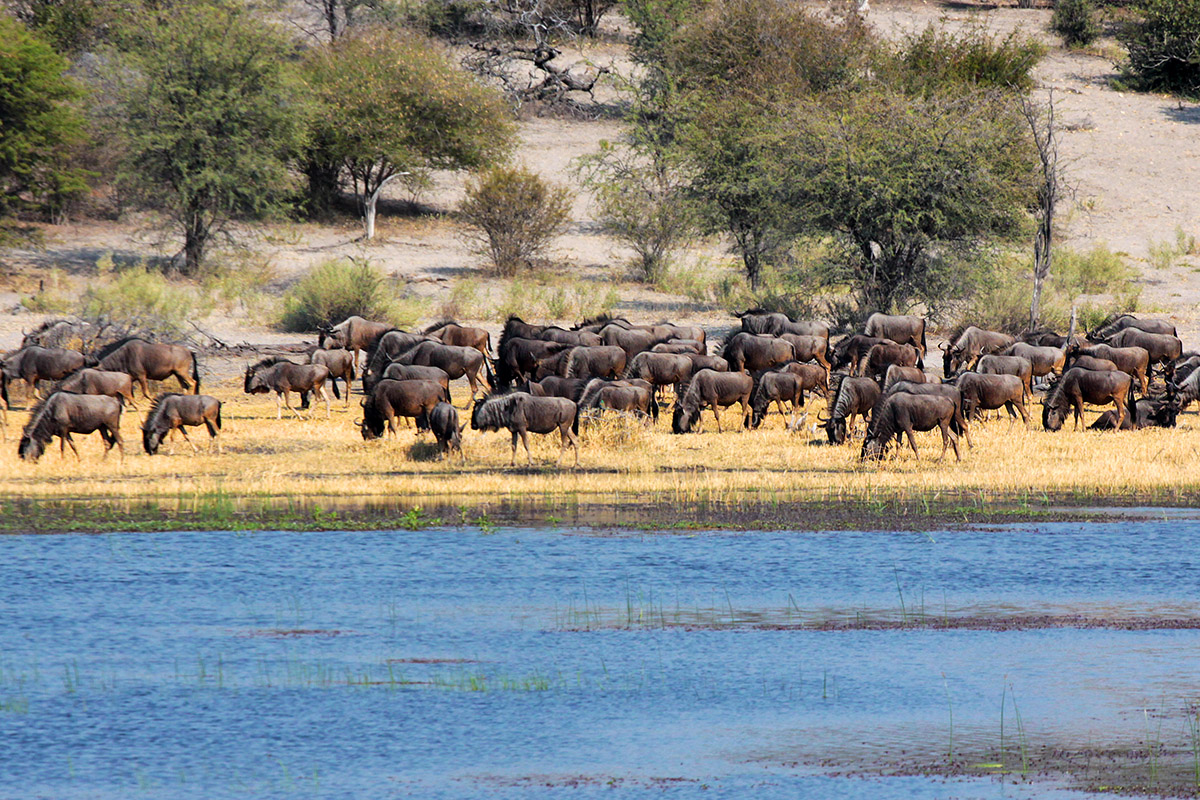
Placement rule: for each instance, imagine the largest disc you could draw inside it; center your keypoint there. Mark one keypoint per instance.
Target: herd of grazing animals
(545, 378)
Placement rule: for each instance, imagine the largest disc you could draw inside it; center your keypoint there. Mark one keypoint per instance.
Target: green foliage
(38, 122)
(514, 215)
(655, 22)
(141, 299)
(939, 59)
(551, 298)
(1165, 254)
(1075, 22)
(1164, 47)
(340, 288)
(207, 120)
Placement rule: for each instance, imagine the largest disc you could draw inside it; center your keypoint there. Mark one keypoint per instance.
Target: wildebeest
(4, 404)
(1145, 413)
(517, 328)
(661, 369)
(456, 361)
(757, 320)
(172, 412)
(1092, 362)
(281, 376)
(99, 381)
(353, 333)
(852, 397)
(775, 387)
(632, 341)
(749, 352)
(61, 414)
(700, 362)
(523, 413)
(901, 329)
(1043, 360)
(814, 377)
(989, 392)
(669, 331)
(1008, 365)
(1134, 361)
(903, 413)
(147, 361)
(412, 372)
(594, 362)
(556, 386)
(600, 394)
(680, 346)
(881, 356)
(450, 332)
(1119, 322)
(340, 364)
(1184, 366)
(391, 399)
(848, 352)
(386, 348)
(715, 390)
(443, 421)
(809, 348)
(518, 358)
(32, 364)
(553, 333)
(1163, 348)
(896, 373)
(961, 423)
(972, 343)
(1079, 386)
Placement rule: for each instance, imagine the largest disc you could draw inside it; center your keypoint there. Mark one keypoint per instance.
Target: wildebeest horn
(944, 346)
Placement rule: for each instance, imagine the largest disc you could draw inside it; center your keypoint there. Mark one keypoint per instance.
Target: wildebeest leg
(279, 406)
(525, 441)
(325, 394)
(186, 438)
(716, 414)
(1120, 406)
(287, 401)
(145, 386)
(1145, 388)
(567, 435)
(66, 437)
(184, 383)
(213, 434)
(33, 388)
(1079, 414)
(912, 442)
(1024, 412)
(512, 462)
(745, 414)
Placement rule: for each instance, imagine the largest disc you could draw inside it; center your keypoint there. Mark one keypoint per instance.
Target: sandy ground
(1133, 160)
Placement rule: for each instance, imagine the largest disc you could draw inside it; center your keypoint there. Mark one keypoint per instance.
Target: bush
(514, 215)
(140, 299)
(1164, 47)
(941, 59)
(1074, 21)
(337, 289)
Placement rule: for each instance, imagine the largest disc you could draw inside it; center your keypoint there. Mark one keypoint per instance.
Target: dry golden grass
(621, 462)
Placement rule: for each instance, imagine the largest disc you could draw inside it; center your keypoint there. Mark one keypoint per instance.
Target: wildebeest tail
(333, 383)
(195, 374)
(653, 407)
(924, 348)
(219, 415)
(575, 422)
(487, 366)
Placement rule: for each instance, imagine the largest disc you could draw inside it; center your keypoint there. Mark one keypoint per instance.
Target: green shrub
(514, 215)
(1164, 46)
(334, 290)
(140, 299)
(1075, 22)
(940, 59)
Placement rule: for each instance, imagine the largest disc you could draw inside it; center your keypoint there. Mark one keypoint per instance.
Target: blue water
(459, 664)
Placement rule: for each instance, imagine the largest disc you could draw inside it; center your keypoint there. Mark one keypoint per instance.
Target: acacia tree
(207, 121)
(383, 106)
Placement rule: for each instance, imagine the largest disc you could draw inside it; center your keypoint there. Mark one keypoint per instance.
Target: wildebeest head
(1052, 416)
(874, 447)
(30, 448)
(835, 429)
(372, 422)
(151, 439)
(952, 359)
(684, 419)
(255, 383)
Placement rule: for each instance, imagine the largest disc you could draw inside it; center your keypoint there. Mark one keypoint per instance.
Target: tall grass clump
(941, 59)
(337, 289)
(513, 215)
(1075, 22)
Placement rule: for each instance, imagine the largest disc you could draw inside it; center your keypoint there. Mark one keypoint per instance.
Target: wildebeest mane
(270, 361)
(495, 411)
(156, 409)
(441, 324)
(39, 420)
(596, 320)
(882, 426)
(112, 347)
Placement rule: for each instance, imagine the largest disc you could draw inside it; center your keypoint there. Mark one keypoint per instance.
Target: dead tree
(1045, 138)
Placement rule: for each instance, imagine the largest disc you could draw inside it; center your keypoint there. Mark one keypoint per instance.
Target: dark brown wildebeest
(903, 413)
(1133, 361)
(1183, 367)
(518, 358)
(756, 320)
(960, 424)
(456, 361)
(669, 331)
(412, 372)
(443, 421)
(523, 413)
(594, 362)
(852, 397)
(700, 362)
(171, 412)
(751, 352)
(814, 377)
(1119, 322)
(1145, 413)
(517, 328)
(715, 390)
(1008, 365)
(809, 348)
(1092, 362)
(600, 322)
(61, 414)
(623, 396)
(146, 361)
(990, 392)
(556, 386)
(32, 364)
(848, 352)
(553, 333)
(391, 399)
(353, 333)
(881, 356)
(277, 374)
(386, 348)
(4, 404)
(632, 341)
(901, 329)
(776, 387)
(1189, 389)
(1079, 386)
(680, 346)
(896, 373)
(661, 369)
(1163, 348)
(450, 332)
(1043, 360)
(972, 343)
(99, 381)
(340, 364)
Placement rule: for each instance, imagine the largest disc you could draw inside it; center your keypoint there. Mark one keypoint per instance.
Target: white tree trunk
(369, 211)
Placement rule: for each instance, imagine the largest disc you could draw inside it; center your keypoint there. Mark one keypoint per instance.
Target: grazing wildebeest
(277, 374)
(775, 387)
(353, 333)
(618, 396)
(881, 356)
(171, 412)
(750, 352)
(809, 348)
(1145, 413)
(32, 364)
(700, 362)
(594, 362)
(556, 386)
(456, 361)
(1092, 362)
(814, 377)
(848, 352)
(1163, 348)
(412, 372)
(146, 361)
(443, 421)
(99, 381)
(756, 320)
(903, 413)
(680, 346)
(896, 373)
(1119, 322)
(1043, 360)
(632, 341)
(391, 399)
(1184, 366)
(661, 369)
(852, 397)
(901, 329)
(989, 392)
(450, 332)
(1008, 365)
(972, 343)
(518, 358)
(1189, 389)
(713, 390)
(386, 348)
(340, 364)
(1079, 386)
(523, 413)
(961, 423)
(1133, 361)
(61, 414)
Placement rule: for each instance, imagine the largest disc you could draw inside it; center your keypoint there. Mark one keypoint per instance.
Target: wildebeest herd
(546, 378)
